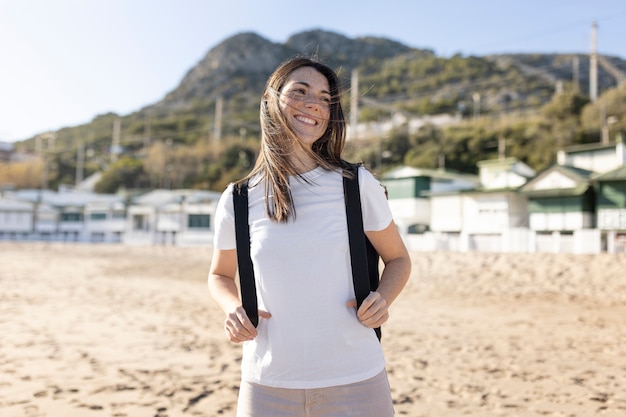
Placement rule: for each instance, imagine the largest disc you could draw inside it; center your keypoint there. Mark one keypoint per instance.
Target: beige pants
(370, 398)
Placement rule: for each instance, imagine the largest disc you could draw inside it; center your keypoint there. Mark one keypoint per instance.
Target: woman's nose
(313, 102)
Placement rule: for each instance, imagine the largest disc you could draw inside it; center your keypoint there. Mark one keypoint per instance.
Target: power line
(554, 30)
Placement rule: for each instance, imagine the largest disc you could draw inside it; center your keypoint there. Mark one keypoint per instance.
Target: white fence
(513, 240)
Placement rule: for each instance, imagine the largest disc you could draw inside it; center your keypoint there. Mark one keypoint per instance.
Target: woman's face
(305, 103)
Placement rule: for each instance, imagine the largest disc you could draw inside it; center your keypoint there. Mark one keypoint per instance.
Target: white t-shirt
(304, 279)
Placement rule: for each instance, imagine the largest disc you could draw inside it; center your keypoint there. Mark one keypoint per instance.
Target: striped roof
(618, 174)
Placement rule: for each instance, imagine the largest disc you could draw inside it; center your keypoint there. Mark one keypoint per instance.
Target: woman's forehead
(308, 76)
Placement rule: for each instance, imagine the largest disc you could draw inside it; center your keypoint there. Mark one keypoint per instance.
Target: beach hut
(171, 217)
(16, 218)
(105, 219)
(594, 157)
(482, 218)
(611, 208)
(561, 210)
(409, 188)
(409, 191)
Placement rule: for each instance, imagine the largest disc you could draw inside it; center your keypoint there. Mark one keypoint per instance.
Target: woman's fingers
(373, 311)
(239, 328)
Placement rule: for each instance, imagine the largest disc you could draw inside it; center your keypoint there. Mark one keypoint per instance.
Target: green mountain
(393, 78)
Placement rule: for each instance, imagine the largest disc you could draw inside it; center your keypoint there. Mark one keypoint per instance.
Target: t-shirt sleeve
(374, 204)
(224, 237)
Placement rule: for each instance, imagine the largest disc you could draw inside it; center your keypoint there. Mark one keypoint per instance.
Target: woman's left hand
(373, 312)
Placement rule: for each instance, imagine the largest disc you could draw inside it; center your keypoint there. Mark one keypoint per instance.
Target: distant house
(476, 219)
(67, 215)
(105, 220)
(594, 157)
(611, 208)
(409, 192)
(600, 158)
(561, 199)
(172, 217)
(16, 218)
(561, 204)
(503, 173)
(43, 217)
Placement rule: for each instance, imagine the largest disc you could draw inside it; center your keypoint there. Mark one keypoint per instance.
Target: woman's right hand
(239, 328)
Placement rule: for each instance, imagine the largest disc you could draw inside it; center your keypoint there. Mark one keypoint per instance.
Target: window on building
(71, 217)
(418, 229)
(140, 223)
(98, 216)
(199, 221)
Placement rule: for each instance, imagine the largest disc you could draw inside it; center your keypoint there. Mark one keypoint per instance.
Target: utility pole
(217, 130)
(441, 161)
(45, 152)
(147, 130)
(354, 103)
(501, 147)
(593, 63)
(80, 162)
(476, 99)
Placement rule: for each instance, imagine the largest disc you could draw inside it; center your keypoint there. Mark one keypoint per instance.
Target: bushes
(127, 172)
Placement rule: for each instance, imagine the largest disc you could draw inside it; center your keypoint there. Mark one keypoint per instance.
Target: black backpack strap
(363, 256)
(244, 261)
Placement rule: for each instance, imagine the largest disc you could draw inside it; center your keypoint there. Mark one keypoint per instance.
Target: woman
(312, 353)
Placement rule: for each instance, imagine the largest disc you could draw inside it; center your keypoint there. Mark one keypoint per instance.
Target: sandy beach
(112, 330)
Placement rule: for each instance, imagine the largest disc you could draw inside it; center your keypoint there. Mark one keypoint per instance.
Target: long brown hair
(277, 139)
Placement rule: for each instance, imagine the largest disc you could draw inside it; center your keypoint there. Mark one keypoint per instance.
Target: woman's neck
(303, 162)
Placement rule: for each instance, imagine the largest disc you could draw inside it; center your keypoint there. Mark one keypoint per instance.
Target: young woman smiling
(313, 353)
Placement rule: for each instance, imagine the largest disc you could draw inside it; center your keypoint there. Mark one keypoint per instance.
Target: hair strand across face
(278, 139)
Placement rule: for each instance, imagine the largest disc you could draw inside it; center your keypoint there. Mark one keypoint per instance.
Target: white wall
(600, 160)
(559, 221)
(445, 213)
(408, 211)
(485, 213)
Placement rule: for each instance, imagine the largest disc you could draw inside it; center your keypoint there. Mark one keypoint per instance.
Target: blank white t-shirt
(304, 279)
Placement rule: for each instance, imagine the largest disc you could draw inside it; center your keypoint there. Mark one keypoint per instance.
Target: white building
(16, 218)
(105, 221)
(172, 217)
(479, 218)
(68, 216)
(409, 191)
(594, 157)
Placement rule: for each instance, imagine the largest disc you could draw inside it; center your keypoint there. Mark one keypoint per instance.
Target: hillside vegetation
(174, 143)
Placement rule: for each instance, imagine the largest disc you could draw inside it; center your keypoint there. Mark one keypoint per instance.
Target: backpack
(364, 259)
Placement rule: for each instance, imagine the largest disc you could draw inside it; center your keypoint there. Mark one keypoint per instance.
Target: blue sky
(66, 61)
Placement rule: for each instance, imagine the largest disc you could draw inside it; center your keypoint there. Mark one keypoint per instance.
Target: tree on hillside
(127, 172)
(609, 109)
(27, 174)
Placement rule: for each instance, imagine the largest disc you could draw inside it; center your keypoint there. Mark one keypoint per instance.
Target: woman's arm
(375, 308)
(224, 292)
